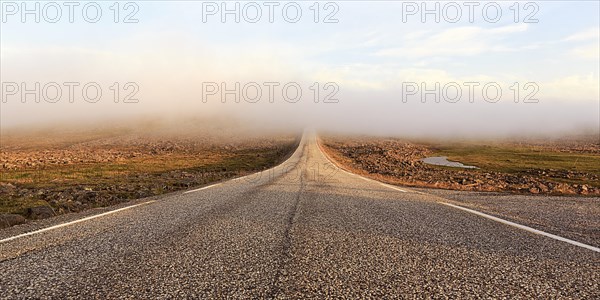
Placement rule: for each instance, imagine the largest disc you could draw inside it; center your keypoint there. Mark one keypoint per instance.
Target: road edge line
(354, 174)
(481, 214)
(203, 188)
(523, 227)
(302, 140)
(73, 222)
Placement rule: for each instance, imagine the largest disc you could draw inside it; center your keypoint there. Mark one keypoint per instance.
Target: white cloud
(460, 41)
(589, 34)
(590, 52)
(573, 88)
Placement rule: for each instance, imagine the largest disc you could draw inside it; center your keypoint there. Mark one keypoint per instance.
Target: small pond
(443, 161)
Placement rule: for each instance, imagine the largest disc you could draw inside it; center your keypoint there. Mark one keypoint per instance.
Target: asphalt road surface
(304, 229)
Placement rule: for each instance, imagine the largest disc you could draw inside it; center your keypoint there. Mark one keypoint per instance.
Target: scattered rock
(40, 212)
(7, 220)
(6, 186)
(400, 161)
(86, 196)
(583, 189)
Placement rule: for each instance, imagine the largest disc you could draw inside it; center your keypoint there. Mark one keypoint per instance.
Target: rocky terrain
(398, 161)
(43, 175)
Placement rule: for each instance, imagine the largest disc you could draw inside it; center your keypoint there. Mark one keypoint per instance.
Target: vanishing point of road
(304, 229)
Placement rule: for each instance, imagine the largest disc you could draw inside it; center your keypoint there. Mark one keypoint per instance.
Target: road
(304, 229)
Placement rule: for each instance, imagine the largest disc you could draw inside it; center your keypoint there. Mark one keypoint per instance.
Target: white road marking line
(73, 222)
(393, 187)
(526, 228)
(522, 227)
(276, 168)
(356, 175)
(136, 205)
(203, 188)
(259, 174)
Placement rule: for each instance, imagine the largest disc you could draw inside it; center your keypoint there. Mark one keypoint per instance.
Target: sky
(381, 67)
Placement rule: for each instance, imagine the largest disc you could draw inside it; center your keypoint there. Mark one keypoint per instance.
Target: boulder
(8, 189)
(40, 212)
(7, 220)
